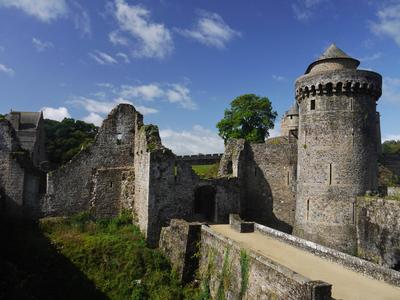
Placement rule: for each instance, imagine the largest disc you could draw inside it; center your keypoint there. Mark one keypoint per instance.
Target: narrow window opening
(351, 104)
(308, 208)
(288, 178)
(354, 213)
(291, 117)
(352, 137)
(119, 138)
(312, 105)
(330, 174)
(111, 184)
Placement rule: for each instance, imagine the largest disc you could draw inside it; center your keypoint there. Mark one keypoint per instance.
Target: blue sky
(182, 62)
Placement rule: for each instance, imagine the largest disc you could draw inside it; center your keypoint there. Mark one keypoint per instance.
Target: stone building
(337, 147)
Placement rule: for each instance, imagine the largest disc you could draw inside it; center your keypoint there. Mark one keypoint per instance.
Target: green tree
(66, 138)
(249, 117)
(391, 147)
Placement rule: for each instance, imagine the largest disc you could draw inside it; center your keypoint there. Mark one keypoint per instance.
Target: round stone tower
(290, 121)
(337, 147)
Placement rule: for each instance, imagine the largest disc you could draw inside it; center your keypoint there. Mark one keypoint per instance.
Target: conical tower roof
(333, 53)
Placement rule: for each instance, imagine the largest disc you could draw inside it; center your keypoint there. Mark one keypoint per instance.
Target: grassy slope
(206, 171)
(83, 259)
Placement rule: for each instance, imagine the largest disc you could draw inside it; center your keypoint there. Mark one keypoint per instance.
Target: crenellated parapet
(347, 82)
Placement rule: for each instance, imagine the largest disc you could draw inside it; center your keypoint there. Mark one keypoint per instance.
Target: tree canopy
(66, 138)
(249, 117)
(391, 147)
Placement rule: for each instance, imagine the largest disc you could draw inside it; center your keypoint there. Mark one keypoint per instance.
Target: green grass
(206, 171)
(83, 258)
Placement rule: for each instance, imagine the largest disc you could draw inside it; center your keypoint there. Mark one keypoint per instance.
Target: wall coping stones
(356, 264)
(239, 225)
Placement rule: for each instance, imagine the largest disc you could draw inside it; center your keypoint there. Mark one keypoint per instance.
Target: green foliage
(113, 254)
(391, 147)
(244, 271)
(66, 138)
(225, 277)
(2, 117)
(206, 171)
(249, 117)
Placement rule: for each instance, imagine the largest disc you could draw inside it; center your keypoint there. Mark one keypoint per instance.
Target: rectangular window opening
(288, 178)
(312, 105)
(330, 174)
(308, 208)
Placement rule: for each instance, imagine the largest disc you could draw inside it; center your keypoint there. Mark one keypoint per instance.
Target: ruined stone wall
(70, 187)
(266, 173)
(378, 231)
(338, 151)
(222, 266)
(392, 162)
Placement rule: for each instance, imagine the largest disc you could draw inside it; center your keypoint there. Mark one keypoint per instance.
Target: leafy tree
(66, 138)
(250, 117)
(391, 147)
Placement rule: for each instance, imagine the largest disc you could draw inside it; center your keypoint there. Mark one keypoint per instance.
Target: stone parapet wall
(222, 266)
(361, 266)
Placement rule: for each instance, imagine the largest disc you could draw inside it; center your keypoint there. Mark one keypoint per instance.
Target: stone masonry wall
(378, 231)
(71, 186)
(266, 173)
(222, 267)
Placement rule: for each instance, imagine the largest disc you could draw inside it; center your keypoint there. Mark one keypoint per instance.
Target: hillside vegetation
(83, 258)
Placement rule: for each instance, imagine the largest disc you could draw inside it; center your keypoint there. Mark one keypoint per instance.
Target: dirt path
(346, 284)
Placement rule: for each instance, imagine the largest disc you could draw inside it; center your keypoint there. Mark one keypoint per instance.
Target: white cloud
(179, 93)
(278, 78)
(389, 22)
(391, 137)
(97, 109)
(6, 70)
(57, 114)
(102, 58)
(116, 38)
(44, 10)
(41, 46)
(154, 39)
(304, 9)
(211, 30)
(94, 118)
(194, 141)
(81, 19)
(124, 57)
(146, 92)
(173, 93)
(391, 90)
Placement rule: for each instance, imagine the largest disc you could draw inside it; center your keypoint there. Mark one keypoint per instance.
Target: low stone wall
(378, 231)
(179, 242)
(350, 262)
(227, 269)
(201, 159)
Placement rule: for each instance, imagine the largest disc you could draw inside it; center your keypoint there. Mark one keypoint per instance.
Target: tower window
(312, 105)
(308, 208)
(330, 174)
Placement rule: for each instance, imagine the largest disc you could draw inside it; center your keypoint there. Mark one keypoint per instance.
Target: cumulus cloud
(391, 137)
(305, 9)
(98, 109)
(388, 22)
(8, 71)
(391, 90)
(57, 114)
(173, 93)
(102, 58)
(44, 10)
(211, 30)
(116, 38)
(41, 46)
(193, 141)
(153, 39)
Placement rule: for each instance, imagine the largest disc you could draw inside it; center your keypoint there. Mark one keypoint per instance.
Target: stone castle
(309, 182)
